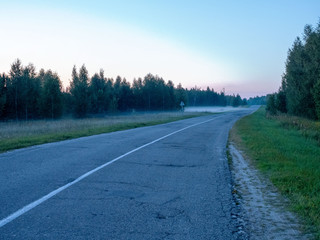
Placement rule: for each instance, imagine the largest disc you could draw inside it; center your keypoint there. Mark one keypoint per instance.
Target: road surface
(170, 181)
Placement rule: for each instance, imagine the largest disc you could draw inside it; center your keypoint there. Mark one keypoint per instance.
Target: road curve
(168, 181)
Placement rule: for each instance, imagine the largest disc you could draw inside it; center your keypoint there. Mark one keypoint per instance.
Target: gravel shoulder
(263, 211)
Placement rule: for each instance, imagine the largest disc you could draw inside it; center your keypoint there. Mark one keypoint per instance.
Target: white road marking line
(32, 205)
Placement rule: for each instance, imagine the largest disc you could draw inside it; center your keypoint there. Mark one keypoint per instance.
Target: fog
(214, 109)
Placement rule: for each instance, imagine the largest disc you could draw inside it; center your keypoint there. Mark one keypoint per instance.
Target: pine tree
(313, 51)
(316, 95)
(236, 101)
(280, 101)
(98, 93)
(271, 105)
(126, 96)
(180, 96)
(3, 95)
(137, 89)
(15, 90)
(296, 91)
(115, 96)
(312, 59)
(51, 99)
(170, 95)
(79, 91)
(31, 92)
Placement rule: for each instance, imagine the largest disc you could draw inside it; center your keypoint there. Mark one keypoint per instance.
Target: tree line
(198, 97)
(258, 100)
(299, 93)
(27, 94)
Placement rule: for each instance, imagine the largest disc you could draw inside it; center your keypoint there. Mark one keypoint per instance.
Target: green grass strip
(289, 158)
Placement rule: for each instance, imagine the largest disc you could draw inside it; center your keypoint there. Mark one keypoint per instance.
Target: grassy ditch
(14, 135)
(287, 150)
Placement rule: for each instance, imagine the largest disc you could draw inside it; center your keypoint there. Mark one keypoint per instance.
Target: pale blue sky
(237, 45)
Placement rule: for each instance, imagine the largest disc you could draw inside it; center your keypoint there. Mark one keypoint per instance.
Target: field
(21, 134)
(287, 150)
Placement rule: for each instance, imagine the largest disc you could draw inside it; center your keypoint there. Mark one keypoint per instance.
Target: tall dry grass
(308, 128)
(19, 134)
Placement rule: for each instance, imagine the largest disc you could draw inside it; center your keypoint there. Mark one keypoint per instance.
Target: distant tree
(222, 99)
(97, 93)
(31, 92)
(137, 91)
(148, 90)
(211, 97)
(244, 102)
(150, 93)
(312, 67)
(316, 94)
(161, 86)
(192, 95)
(79, 91)
(125, 101)
(280, 101)
(51, 99)
(181, 96)
(312, 47)
(15, 91)
(115, 94)
(236, 101)
(3, 94)
(67, 102)
(170, 96)
(257, 100)
(302, 73)
(111, 103)
(296, 91)
(198, 97)
(271, 105)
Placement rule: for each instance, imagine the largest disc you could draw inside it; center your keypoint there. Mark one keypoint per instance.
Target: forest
(27, 94)
(299, 93)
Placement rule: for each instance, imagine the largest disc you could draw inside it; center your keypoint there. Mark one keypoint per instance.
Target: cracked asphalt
(176, 188)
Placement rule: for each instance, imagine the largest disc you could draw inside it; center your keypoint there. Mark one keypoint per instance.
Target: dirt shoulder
(264, 211)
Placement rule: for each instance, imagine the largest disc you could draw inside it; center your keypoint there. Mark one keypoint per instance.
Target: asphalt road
(170, 181)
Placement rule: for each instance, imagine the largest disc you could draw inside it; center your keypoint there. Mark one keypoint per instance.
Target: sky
(236, 46)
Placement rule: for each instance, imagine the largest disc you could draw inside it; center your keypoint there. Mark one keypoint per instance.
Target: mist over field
(213, 109)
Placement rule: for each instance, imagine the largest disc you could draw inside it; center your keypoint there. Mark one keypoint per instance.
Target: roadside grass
(287, 150)
(308, 128)
(14, 135)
